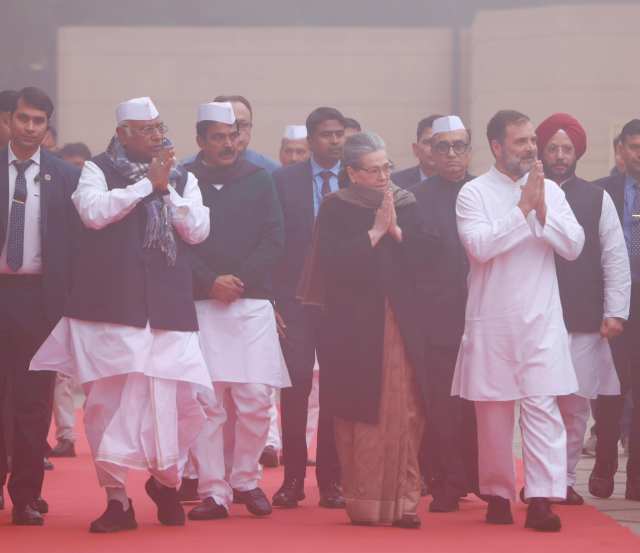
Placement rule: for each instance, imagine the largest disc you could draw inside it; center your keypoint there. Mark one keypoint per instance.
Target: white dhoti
(543, 448)
(242, 351)
(64, 413)
(142, 409)
(596, 374)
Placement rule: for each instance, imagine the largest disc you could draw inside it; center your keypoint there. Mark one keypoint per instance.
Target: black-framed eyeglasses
(443, 147)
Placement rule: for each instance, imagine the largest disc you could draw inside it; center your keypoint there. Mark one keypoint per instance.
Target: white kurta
(141, 383)
(515, 342)
(590, 352)
(240, 342)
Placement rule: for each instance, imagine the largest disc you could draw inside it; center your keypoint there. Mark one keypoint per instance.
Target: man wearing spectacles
(422, 151)
(244, 115)
(451, 436)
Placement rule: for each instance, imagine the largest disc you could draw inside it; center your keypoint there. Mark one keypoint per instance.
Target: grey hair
(359, 145)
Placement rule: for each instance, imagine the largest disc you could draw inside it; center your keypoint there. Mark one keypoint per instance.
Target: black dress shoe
(64, 448)
(188, 492)
(632, 490)
(26, 516)
(498, 510)
(40, 505)
(540, 516)
(573, 498)
(269, 457)
(48, 465)
(408, 521)
(291, 491)
(601, 480)
(170, 511)
(331, 497)
(114, 519)
(255, 501)
(208, 509)
(444, 505)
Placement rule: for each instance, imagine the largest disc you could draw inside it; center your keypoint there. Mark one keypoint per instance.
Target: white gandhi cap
(136, 109)
(448, 123)
(295, 132)
(220, 112)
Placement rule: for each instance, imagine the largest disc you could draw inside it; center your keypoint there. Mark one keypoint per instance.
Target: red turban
(562, 121)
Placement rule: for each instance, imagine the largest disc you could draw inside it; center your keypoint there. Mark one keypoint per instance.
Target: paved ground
(627, 513)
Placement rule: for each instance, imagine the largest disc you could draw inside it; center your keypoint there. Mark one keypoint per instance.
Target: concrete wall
(581, 60)
(387, 78)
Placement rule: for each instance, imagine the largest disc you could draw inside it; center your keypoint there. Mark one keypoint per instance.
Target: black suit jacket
(294, 184)
(444, 288)
(58, 224)
(614, 185)
(407, 177)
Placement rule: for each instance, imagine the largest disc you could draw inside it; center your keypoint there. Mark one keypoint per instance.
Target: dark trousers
(451, 441)
(608, 413)
(300, 347)
(23, 328)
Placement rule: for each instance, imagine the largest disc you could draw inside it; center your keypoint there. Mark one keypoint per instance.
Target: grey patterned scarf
(159, 229)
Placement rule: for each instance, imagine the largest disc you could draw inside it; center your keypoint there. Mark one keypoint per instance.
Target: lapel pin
(47, 177)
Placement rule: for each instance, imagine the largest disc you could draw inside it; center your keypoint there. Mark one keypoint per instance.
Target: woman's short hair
(359, 145)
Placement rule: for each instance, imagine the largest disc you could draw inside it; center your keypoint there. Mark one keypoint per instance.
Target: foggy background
(387, 63)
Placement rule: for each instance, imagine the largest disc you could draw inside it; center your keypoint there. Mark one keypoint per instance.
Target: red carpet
(76, 499)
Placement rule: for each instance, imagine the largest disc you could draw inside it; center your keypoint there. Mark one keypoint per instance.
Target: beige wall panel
(542, 60)
(385, 77)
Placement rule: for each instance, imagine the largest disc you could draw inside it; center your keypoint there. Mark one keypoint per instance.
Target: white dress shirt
(32, 252)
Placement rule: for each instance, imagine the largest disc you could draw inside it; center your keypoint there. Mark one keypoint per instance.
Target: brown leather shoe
(573, 498)
(64, 448)
(208, 509)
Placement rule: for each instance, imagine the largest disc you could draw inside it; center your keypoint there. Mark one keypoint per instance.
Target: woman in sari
(368, 254)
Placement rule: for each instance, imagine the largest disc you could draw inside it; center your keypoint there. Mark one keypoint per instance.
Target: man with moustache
(515, 347)
(238, 334)
(301, 188)
(129, 331)
(451, 439)
(624, 189)
(244, 115)
(422, 151)
(36, 236)
(594, 289)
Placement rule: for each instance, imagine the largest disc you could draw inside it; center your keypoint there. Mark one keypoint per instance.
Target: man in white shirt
(36, 239)
(129, 331)
(595, 289)
(515, 347)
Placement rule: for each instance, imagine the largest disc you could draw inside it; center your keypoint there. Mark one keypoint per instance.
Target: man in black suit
(7, 103)
(36, 222)
(624, 189)
(301, 188)
(422, 151)
(451, 436)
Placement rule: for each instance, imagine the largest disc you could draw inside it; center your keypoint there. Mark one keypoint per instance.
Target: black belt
(8, 280)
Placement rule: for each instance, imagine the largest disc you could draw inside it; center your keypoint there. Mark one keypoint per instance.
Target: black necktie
(634, 246)
(326, 182)
(15, 241)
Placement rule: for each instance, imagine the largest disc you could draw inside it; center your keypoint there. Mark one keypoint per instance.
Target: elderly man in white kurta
(129, 331)
(515, 346)
(232, 275)
(595, 289)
